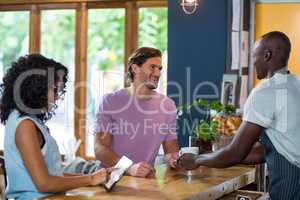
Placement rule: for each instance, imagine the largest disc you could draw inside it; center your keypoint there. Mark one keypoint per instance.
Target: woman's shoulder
(16, 116)
(27, 124)
(15, 119)
(17, 123)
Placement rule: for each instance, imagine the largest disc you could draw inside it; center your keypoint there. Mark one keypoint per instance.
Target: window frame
(81, 8)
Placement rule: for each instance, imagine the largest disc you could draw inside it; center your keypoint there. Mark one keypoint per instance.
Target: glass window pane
(14, 42)
(105, 61)
(58, 42)
(153, 32)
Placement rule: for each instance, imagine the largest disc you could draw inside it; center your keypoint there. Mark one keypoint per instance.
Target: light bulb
(189, 6)
(190, 1)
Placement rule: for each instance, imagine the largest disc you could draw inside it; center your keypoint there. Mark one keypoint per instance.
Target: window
(105, 61)
(153, 32)
(107, 47)
(58, 42)
(14, 42)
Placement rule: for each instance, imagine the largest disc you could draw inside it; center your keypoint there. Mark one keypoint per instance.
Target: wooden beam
(131, 31)
(81, 75)
(107, 4)
(57, 6)
(55, 1)
(150, 3)
(14, 7)
(153, 4)
(35, 30)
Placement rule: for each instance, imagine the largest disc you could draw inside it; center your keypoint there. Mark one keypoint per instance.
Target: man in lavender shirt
(136, 120)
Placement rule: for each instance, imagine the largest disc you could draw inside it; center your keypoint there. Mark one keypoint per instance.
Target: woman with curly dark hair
(29, 92)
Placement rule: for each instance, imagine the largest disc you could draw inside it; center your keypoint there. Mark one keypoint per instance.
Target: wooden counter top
(204, 183)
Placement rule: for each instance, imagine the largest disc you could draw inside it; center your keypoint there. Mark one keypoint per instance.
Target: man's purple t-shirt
(138, 127)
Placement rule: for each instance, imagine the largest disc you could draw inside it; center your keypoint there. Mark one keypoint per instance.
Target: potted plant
(206, 132)
(218, 120)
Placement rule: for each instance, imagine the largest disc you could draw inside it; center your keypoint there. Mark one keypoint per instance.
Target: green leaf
(216, 105)
(229, 109)
(203, 103)
(206, 132)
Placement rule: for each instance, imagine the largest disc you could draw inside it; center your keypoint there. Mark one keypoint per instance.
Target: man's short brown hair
(139, 57)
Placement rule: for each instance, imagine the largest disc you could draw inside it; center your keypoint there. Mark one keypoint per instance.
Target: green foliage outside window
(106, 38)
(58, 35)
(153, 27)
(107, 33)
(14, 37)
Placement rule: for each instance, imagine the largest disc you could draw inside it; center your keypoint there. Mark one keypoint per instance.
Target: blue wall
(197, 43)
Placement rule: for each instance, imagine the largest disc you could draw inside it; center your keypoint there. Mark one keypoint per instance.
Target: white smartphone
(121, 167)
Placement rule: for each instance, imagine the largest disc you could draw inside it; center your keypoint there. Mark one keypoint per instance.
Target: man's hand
(171, 159)
(141, 169)
(188, 161)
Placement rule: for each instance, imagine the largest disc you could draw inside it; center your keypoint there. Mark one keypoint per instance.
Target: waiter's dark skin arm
(243, 149)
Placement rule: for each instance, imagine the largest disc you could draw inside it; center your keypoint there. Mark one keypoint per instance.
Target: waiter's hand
(188, 161)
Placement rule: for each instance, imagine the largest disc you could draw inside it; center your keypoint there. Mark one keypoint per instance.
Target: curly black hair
(25, 86)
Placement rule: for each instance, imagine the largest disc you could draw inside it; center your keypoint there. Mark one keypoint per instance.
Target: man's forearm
(107, 156)
(256, 156)
(218, 159)
(227, 157)
(234, 153)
